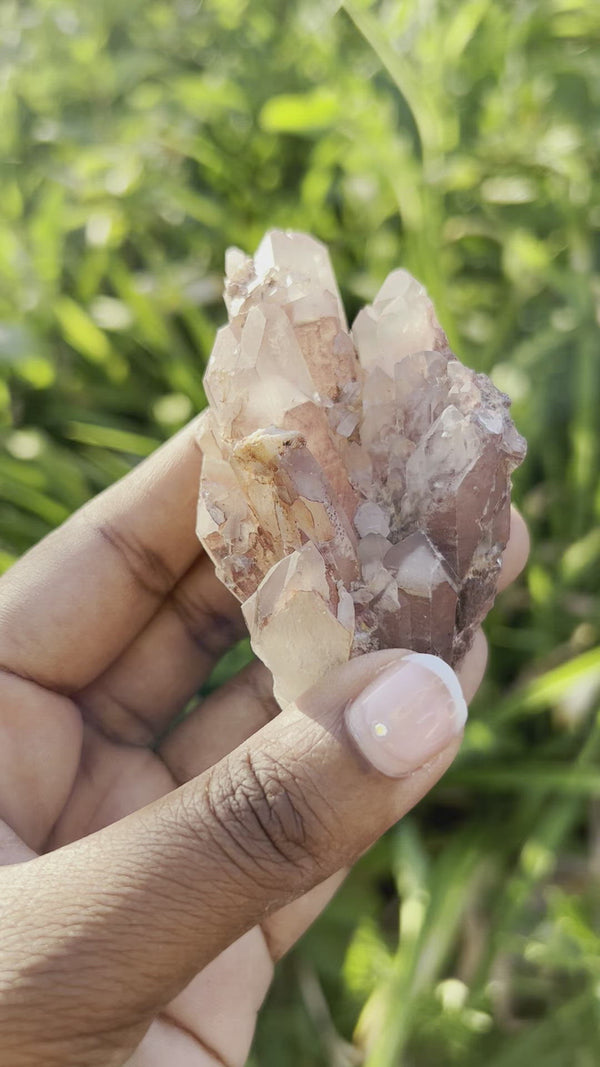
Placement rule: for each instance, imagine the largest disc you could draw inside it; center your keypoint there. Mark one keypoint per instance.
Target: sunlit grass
(459, 138)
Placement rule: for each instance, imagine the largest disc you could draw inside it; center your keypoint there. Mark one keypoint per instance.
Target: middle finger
(136, 698)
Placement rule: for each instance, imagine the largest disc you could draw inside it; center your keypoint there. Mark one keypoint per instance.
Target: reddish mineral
(355, 489)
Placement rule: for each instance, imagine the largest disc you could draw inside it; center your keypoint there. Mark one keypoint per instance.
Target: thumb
(123, 919)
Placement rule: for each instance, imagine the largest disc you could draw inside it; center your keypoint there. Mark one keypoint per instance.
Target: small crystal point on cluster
(355, 490)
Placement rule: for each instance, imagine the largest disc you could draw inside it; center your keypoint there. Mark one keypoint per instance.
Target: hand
(149, 884)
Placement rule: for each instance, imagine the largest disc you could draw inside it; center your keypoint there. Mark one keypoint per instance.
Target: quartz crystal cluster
(355, 489)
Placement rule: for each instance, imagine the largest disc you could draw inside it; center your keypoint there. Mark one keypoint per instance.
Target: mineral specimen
(355, 489)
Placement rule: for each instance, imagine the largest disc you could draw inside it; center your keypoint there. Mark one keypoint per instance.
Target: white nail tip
(446, 675)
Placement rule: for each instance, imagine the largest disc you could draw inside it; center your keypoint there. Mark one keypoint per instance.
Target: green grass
(460, 138)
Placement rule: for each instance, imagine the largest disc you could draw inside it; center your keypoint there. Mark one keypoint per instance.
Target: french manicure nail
(407, 714)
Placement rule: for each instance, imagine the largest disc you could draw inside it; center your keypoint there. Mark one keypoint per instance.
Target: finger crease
(42, 683)
(269, 946)
(148, 568)
(96, 718)
(200, 1042)
(212, 632)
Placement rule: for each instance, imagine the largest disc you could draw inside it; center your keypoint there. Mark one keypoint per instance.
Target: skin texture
(150, 877)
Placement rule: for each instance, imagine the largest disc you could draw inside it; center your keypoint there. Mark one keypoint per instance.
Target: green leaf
(553, 686)
(81, 332)
(300, 113)
(528, 777)
(108, 437)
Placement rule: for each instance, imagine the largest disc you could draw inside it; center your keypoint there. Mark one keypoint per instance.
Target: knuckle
(265, 822)
(148, 568)
(210, 630)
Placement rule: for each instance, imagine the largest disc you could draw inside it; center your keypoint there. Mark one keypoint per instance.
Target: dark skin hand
(147, 887)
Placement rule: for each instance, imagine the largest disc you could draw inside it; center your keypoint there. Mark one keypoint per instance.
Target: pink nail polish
(407, 714)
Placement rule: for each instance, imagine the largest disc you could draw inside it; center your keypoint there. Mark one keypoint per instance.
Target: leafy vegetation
(460, 138)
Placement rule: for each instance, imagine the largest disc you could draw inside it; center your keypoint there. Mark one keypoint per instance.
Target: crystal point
(355, 489)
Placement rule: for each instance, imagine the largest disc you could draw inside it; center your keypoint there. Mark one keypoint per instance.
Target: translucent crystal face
(355, 489)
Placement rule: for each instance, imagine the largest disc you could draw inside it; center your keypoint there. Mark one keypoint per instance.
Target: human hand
(149, 884)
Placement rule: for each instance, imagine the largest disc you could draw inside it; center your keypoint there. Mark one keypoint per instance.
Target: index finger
(73, 602)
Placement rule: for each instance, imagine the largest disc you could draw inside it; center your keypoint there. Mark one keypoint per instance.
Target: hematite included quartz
(355, 489)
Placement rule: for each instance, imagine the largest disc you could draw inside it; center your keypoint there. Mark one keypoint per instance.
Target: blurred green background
(461, 139)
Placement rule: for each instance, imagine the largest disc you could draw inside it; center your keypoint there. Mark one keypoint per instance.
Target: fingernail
(407, 714)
